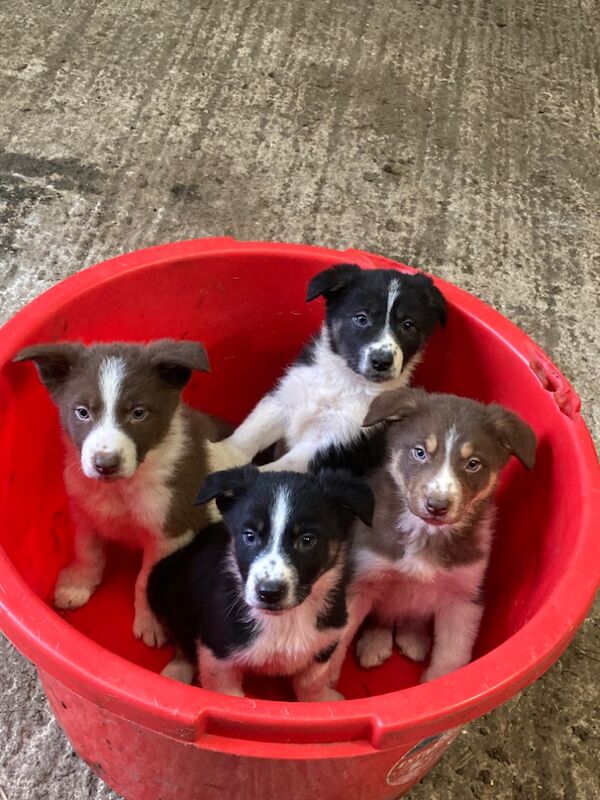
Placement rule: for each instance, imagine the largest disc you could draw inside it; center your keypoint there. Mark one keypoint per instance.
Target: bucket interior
(250, 313)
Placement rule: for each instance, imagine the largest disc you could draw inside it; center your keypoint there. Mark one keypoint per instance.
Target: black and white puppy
(265, 590)
(376, 325)
(135, 456)
(426, 556)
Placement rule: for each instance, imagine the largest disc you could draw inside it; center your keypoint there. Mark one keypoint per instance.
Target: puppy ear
(394, 406)
(514, 434)
(176, 360)
(349, 493)
(54, 362)
(330, 281)
(227, 485)
(433, 297)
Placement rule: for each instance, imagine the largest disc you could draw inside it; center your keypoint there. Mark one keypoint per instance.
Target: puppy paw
(178, 669)
(374, 647)
(413, 644)
(74, 588)
(329, 695)
(232, 691)
(147, 628)
(435, 671)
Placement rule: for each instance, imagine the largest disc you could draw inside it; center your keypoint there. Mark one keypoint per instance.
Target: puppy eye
(139, 413)
(307, 541)
(362, 320)
(473, 465)
(408, 325)
(250, 537)
(419, 453)
(82, 413)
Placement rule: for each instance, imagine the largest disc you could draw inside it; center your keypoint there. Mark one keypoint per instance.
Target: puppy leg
(315, 684)
(374, 647)
(455, 630)
(295, 460)
(179, 668)
(413, 638)
(77, 582)
(261, 428)
(219, 675)
(145, 625)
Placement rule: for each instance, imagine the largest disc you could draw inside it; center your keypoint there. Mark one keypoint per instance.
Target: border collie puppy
(426, 557)
(264, 591)
(376, 325)
(135, 456)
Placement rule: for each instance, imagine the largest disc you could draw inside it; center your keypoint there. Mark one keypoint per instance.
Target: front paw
(178, 669)
(374, 647)
(413, 644)
(435, 671)
(147, 628)
(74, 587)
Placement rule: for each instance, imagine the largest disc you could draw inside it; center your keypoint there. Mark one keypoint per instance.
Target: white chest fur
(129, 509)
(325, 402)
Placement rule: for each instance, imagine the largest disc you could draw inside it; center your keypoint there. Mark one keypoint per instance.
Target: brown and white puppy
(135, 456)
(426, 555)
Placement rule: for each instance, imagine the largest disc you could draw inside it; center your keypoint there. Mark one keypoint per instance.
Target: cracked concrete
(461, 137)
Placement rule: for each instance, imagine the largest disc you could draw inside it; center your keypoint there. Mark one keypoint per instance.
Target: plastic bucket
(151, 738)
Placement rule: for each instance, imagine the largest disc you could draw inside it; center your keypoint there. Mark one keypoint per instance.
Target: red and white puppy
(135, 456)
(426, 555)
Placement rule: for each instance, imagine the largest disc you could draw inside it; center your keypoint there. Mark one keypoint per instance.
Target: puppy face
(117, 401)
(446, 452)
(287, 529)
(378, 320)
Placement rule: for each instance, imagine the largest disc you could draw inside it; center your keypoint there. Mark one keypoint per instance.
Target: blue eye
(82, 413)
(250, 537)
(361, 320)
(419, 453)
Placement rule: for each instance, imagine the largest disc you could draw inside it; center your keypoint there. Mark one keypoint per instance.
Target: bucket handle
(565, 397)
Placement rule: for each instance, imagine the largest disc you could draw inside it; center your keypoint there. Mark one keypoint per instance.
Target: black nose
(271, 592)
(106, 463)
(381, 360)
(437, 506)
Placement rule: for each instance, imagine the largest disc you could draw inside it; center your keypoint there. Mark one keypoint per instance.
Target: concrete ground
(459, 136)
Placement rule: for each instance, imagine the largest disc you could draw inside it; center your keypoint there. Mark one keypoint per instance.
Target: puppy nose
(106, 463)
(437, 506)
(381, 360)
(271, 592)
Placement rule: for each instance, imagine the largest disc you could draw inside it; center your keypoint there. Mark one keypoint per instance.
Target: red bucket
(150, 737)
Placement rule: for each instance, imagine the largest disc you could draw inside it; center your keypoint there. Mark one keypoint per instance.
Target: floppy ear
(394, 406)
(329, 281)
(54, 362)
(227, 485)
(434, 298)
(349, 493)
(176, 360)
(514, 434)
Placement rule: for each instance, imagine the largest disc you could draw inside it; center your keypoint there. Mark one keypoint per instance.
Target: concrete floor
(461, 137)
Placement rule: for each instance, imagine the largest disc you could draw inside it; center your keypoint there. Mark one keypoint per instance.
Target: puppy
(376, 325)
(427, 554)
(264, 591)
(135, 455)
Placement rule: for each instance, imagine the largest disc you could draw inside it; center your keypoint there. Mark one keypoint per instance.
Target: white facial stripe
(387, 341)
(106, 436)
(273, 564)
(445, 482)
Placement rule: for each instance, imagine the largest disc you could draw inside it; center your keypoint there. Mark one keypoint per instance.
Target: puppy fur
(425, 558)
(376, 325)
(135, 456)
(265, 590)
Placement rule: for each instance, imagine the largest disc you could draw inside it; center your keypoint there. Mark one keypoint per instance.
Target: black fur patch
(326, 653)
(363, 455)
